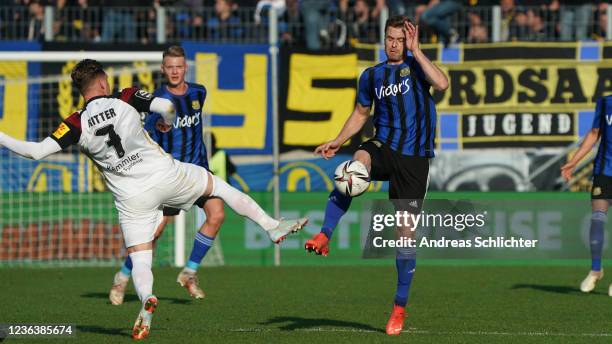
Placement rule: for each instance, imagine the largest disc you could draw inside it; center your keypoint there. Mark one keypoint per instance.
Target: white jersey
(109, 130)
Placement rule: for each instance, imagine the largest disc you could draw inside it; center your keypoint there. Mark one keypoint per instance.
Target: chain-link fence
(314, 24)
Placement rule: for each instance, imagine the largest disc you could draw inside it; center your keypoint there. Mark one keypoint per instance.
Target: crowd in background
(316, 24)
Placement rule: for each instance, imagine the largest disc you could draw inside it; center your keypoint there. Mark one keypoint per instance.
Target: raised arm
(434, 75)
(66, 134)
(30, 150)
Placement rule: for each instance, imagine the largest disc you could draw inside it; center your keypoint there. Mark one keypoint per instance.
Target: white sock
(142, 274)
(242, 204)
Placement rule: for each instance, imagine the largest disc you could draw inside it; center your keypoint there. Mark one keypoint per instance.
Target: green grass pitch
(448, 304)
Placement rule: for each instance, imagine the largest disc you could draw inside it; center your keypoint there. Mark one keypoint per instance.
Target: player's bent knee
(363, 157)
(216, 219)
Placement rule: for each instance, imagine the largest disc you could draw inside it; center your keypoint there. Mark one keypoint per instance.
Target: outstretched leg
(244, 205)
(337, 205)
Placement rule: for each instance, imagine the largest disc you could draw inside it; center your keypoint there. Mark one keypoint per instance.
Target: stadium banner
(59, 230)
(317, 93)
(520, 103)
(18, 107)
(521, 94)
(506, 95)
(239, 95)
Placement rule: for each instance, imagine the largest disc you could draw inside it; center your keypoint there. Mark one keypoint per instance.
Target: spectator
(187, 19)
(290, 24)
(601, 29)
(14, 22)
(477, 32)
(117, 21)
(73, 21)
(61, 25)
(359, 23)
(437, 18)
(422, 6)
(146, 22)
(36, 29)
(86, 21)
(537, 28)
(314, 21)
(225, 25)
(519, 25)
(508, 12)
(542, 16)
(575, 19)
(379, 5)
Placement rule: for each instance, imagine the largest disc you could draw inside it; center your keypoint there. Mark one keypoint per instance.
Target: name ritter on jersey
(101, 117)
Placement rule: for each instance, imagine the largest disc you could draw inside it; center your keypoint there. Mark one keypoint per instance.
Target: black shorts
(407, 175)
(602, 187)
(169, 211)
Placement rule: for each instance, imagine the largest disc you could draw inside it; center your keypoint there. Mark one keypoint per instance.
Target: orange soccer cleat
(142, 327)
(319, 244)
(396, 321)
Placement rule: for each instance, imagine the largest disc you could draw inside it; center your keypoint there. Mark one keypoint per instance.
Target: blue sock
(405, 262)
(337, 205)
(596, 238)
(126, 269)
(201, 244)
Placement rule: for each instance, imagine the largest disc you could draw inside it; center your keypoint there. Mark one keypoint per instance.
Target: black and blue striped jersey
(603, 122)
(404, 110)
(185, 141)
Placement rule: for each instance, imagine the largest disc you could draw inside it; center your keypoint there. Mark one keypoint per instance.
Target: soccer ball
(352, 178)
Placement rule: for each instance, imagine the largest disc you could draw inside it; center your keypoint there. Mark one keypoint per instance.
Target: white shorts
(140, 215)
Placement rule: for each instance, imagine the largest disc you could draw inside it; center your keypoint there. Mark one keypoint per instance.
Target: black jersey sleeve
(137, 98)
(69, 131)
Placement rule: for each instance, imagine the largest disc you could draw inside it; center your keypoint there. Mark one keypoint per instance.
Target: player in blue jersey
(185, 143)
(405, 123)
(601, 193)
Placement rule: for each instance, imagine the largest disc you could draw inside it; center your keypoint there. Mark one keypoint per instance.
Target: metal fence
(325, 27)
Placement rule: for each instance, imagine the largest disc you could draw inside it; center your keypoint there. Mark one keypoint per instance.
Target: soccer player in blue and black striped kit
(405, 123)
(184, 141)
(601, 192)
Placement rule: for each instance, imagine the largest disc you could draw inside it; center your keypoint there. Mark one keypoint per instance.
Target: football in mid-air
(352, 178)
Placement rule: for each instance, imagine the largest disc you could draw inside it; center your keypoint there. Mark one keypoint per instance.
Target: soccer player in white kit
(142, 177)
